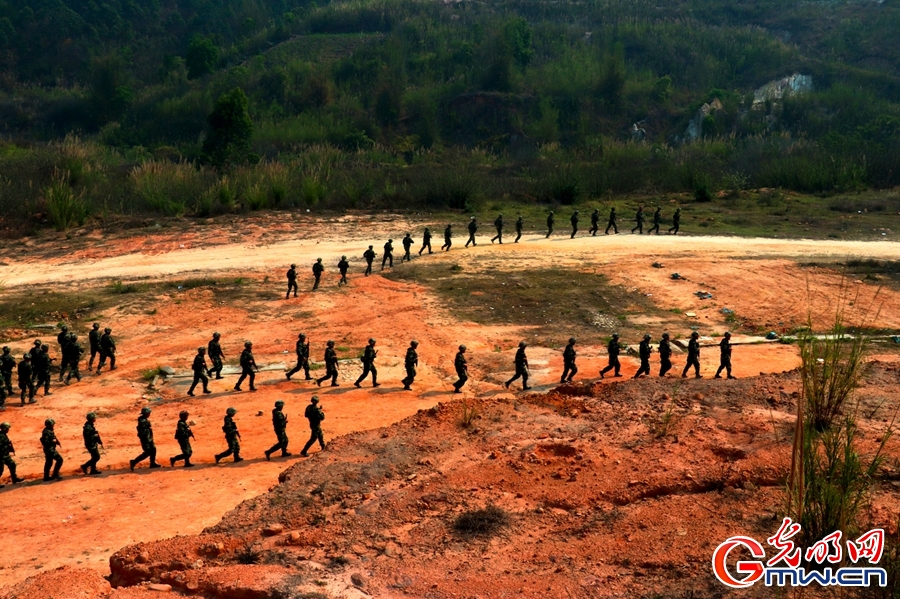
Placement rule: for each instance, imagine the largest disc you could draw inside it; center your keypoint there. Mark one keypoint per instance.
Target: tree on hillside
(518, 35)
(230, 130)
(202, 56)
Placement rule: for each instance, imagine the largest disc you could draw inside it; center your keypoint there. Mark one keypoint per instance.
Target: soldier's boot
(218, 458)
(207, 391)
(12, 473)
(171, 462)
(187, 463)
(131, 465)
(155, 465)
(238, 459)
(268, 454)
(285, 453)
(84, 468)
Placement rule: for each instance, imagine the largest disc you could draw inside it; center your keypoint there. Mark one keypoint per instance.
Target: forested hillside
(200, 106)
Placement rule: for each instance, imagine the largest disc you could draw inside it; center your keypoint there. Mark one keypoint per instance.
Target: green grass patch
(21, 310)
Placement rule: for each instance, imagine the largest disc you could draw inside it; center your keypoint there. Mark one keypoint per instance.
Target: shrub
(484, 522)
(65, 207)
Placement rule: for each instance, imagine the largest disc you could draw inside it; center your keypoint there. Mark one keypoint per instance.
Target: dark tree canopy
(230, 131)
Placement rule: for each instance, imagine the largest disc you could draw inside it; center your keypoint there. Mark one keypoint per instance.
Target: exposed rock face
(782, 88)
(695, 128)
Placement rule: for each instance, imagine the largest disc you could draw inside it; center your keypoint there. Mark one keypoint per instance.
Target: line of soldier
(388, 256)
(33, 371)
(53, 461)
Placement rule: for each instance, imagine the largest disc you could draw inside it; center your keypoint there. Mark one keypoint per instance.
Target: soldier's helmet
(343, 257)
(551, 212)
(414, 343)
(145, 411)
(64, 327)
(522, 344)
(96, 325)
(315, 399)
(473, 218)
(49, 422)
(462, 348)
(370, 247)
(301, 336)
(330, 343)
(576, 212)
(216, 335)
(45, 347)
(26, 357)
(73, 337)
(91, 415)
(107, 330)
(390, 240)
(183, 414)
(318, 259)
(615, 336)
(5, 349)
(231, 411)
(695, 335)
(371, 341)
(727, 334)
(293, 266)
(279, 404)
(665, 335)
(201, 350)
(4, 426)
(499, 215)
(571, 339)
(248, 344)
(647, 337)
(37, 342)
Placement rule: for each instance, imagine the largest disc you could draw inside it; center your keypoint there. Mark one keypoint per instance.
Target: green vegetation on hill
(121, 107)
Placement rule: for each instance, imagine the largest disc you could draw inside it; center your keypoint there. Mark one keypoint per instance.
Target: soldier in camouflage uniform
(574, 221)
(200, 371)
(94, 342)
(63, 340)
(368, 360)
(183, 434)
(232, 436)
(448, 238)
(521, 362)
(388, 256)
(407, 246)
(315, 415)
(725, 356)
(92, 442)
(612, 222)
(613, 349)
(247, 365)
(317, 270)
(550, 220)
(7, 365)
(665, 355)
(343, 267)
(411, 361)
(6, 448)
(569, 368)
(657, 218)
(215, 353)
(462, 369)
(145, 435)
(644, 351)
(292, 281)
(331, 366)
(519, 225)
(302, 349)
(25, 372)
(426, 241)
(49, 443)
(676, 221)
(498, 224)
(693, 358)
(75, 351)
(42, 369)
(369, 256)
(595, 222)
(639, 220)
(279, 423)
(473, 227)
(107, 350)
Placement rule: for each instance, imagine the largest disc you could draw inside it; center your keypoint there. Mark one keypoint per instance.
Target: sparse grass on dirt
(560, 303)
(481, 523)
(48, 306)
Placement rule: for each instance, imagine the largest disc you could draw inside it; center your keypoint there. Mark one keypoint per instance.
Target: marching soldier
(574, 221)
(725, 356)
(302, 350)
(369, 256)
(462, 369)
(94, 342)
(75, 351)
(498, 224)
(613, 349)
(183, 434)
(665, 355)
(569, 368)
(215, 353)
(473, 226)
(315, 415)
(42, 369)
(448, 238)
(200, 371)
(7, 365)
(292, 281)
(343, 267)
(595, 222)
(519, 225)
(145, 436)
(426, 241)
(521, 362)
(644, 351)
(247, 366)
(63, 340)
(411, 361)
(25, 372)
(388, 254)
(6, 448)
(49, 442)
(693, 358)
(92, 442)
(232, 437)
(331, 366)
(279, 423)
(612, 222)
(317, 270)
(368, 360)
(657, 217)
(550, 221)
(107, 350)
(639, 219)
(407, 245)
(676, 221)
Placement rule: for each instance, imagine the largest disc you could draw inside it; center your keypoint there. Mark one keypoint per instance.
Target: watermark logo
(784, 567)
